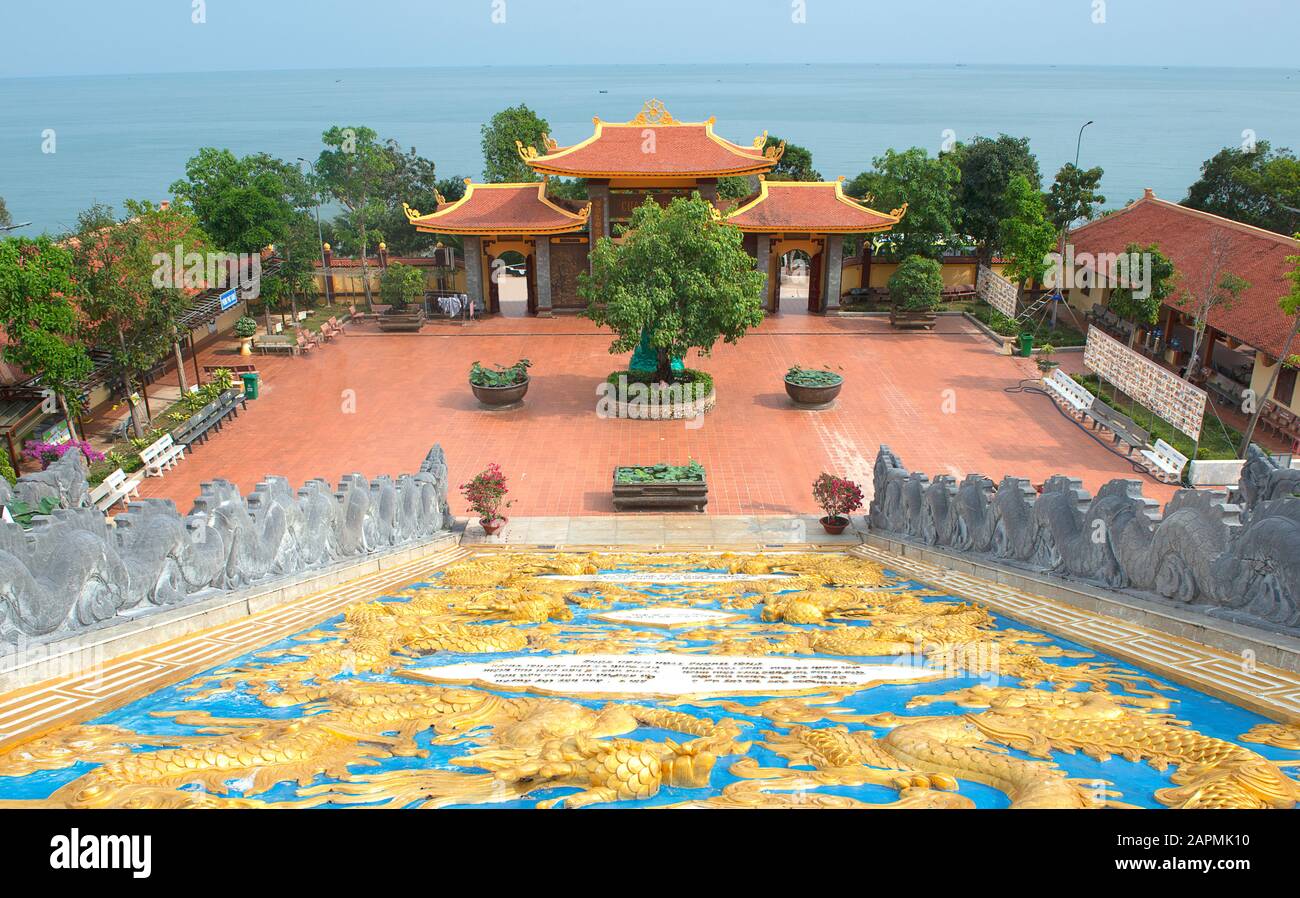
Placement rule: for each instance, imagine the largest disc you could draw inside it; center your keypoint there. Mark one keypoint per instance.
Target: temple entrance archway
(795, 283)
(510, 275)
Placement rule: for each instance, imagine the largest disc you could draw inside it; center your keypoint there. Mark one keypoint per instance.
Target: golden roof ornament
(774, 152)
(411, 214)
(899, 212)
(549, 142)
(526, 153)
(653, 113)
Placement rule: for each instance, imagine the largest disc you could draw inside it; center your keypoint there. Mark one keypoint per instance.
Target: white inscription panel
(669, 674)
(665, 577)
(666, 616)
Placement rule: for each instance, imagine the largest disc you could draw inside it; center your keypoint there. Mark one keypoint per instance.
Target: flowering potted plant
(484, 494)
(837, 497)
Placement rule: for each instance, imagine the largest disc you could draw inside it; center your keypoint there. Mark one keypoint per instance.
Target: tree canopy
(796, 163)
(400, 285)
(680, 275)
(987, 166)
(1073, 195)
(927, 185)
(917, 284)
(501, 162)
(244, 203)
(1257, 186)
(1025, 235)
(1163, 280)
(354, 167)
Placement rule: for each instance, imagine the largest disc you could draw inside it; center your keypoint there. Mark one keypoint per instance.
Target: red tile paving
(375, 403)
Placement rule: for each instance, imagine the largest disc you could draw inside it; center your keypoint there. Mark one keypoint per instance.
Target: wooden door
(815, 283)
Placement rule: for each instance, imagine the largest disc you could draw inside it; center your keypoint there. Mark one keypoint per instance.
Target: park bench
(1121, 426)
(306, 340)
(116, 487)
(1169, 462)
(278, 342)
(911, 318)
(161, 455)
(1074, 394)
(211, 417)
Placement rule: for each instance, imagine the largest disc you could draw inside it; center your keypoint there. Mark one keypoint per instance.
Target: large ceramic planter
(813, 397)
(687, 494)
(497, 398)
(492, 526)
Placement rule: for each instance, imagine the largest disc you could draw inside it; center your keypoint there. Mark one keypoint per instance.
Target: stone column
(598, 193)
(542, 273)
(763, 254)
(474, 271)
(831, 282)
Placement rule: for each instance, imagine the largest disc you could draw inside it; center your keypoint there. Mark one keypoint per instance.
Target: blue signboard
(229, 298)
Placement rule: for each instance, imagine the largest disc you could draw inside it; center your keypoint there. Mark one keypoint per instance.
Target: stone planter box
(688, 494)
(908, 318)
(402, 322)
(813, 397)
(496, 398)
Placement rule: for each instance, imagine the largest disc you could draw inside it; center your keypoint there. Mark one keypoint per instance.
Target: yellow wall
(1260, 376)
(955, 274)
(348, 281)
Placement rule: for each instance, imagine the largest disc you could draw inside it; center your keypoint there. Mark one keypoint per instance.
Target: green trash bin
(1026, 345)
(252, 383)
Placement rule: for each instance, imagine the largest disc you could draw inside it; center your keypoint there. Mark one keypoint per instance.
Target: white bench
(1071, 392)
(1168, 461)
(161, 455)
(116, 487)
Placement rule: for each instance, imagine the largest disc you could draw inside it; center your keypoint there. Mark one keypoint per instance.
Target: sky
(89, 37)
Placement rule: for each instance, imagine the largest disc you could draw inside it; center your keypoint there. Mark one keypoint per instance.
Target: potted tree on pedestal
(244, 329)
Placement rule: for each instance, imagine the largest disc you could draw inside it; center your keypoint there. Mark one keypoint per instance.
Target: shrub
(812, 377)
(917, 285)
(497, 376)
(837, 496)
(400, 285)
(694, 376)
(692, 472)
(48, 453)
(485, 492)
(7, 468)
(245, 327)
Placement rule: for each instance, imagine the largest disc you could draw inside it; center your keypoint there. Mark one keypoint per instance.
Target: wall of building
(957, 272)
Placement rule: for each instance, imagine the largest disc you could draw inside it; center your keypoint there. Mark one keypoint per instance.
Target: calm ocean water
(129, 136)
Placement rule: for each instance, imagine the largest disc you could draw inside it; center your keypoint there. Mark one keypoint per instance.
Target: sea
(67, 142)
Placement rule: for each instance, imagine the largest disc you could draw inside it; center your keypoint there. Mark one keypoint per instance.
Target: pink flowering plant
(837, 496)
(485, 492)
(48, 453)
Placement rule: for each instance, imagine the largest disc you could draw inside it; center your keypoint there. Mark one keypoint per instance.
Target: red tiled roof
(814, 206)
(501, 209)
(654, 145)
(1185, 236)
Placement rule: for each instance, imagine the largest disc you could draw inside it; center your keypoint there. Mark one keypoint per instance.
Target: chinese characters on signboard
(1165, 393)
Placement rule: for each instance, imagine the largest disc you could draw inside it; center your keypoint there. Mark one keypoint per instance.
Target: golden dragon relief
(325, 720)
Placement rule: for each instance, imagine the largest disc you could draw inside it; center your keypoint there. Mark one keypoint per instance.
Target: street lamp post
(320, 237)
(1079, 143)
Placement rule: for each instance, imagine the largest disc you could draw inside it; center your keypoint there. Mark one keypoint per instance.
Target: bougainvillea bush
(837, 496)
(48, 453)
(485, 492)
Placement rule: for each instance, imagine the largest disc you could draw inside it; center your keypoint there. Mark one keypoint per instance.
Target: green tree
(501, 162)
(1073, 195)
(354, 167)
(927, 185)
(244, 203)
(917, 284)
(680, 275)
(39, 320)
(796, 163)
(734, 188)
(400, 285)
(987, 166)
(1255, 185)
(1212, 287)
(1025, 235)
(411, 179)
(1144, 309)
(567, 188)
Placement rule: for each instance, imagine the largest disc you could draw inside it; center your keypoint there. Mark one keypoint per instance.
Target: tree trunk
(664, 365)
(136, 426)
(180, 367)
(67, 416)
(1197, 336)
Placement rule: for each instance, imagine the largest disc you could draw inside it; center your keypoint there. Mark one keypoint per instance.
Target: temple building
(623, 163)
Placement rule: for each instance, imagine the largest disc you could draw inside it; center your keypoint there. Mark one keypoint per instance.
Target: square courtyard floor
(375, 403)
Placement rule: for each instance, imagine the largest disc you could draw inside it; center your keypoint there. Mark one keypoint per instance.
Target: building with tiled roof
(804, 206)
(501, 209)
(1243, 340)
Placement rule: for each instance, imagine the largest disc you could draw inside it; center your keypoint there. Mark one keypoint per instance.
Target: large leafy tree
(927, 185)
(1125, 303)
(411, 179)
(1259, 186)
(354, 167)
(1073, 195)
(987, 166)
(796, 163)
(244, 203)
(1025, 235)
(680, 275)
(501, 162)
(39, 319)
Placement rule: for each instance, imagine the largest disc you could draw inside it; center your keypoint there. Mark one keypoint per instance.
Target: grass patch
(690, 376)
(1061, 335)
(1218, 440)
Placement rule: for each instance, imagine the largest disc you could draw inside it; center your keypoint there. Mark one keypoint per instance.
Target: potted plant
(484, 494)
(839, 498)
(915, 291)
(661, 486)
(1044, 360)
(812, 387)
(244, 329)
(399, 286)
(498, 387)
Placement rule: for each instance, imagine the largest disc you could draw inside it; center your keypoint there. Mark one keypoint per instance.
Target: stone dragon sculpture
(1237, 554)
(74, 569)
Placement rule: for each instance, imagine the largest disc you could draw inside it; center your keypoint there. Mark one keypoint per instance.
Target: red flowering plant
(837, 496)
(485, 492)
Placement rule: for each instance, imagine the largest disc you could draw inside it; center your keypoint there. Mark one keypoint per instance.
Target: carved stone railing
(74, 570)
(1236, 555)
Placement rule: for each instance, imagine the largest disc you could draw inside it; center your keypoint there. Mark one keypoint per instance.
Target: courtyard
(374, 403)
